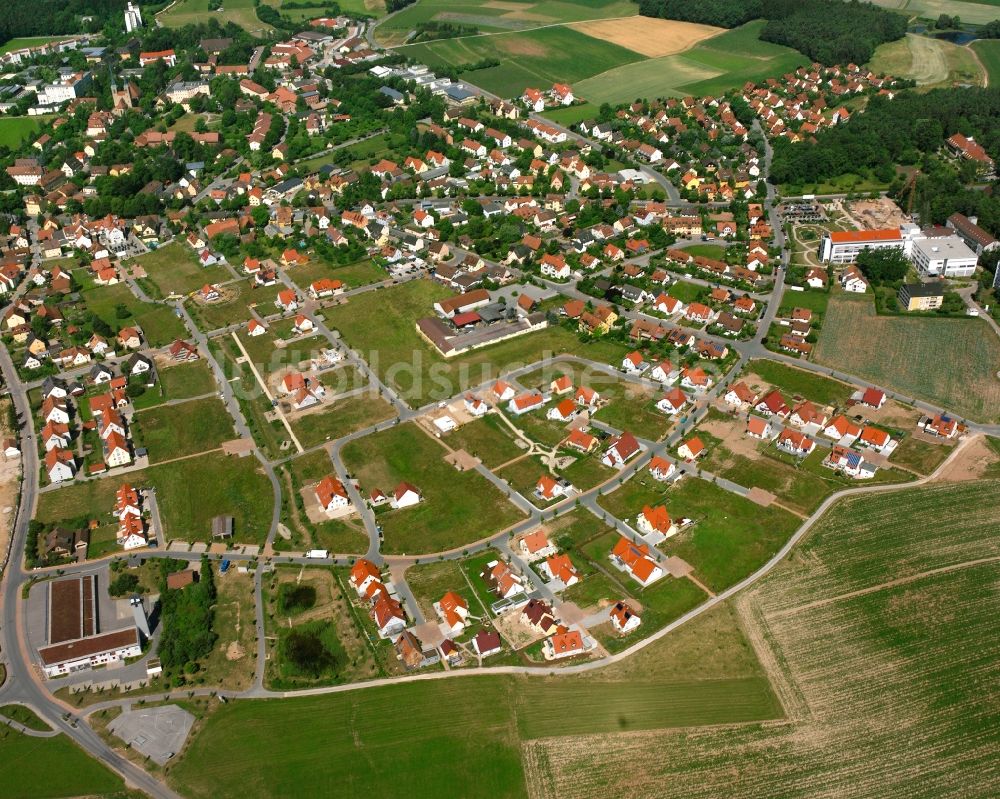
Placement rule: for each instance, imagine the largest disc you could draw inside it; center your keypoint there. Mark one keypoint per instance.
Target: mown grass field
(38, 768)
(714, 66)
(175, 431)
(459, 733)
(457, 507)
(14, 130)
(381, 325)
(988, 51)
(536, 58)
(949, 362)
(231, 486)
(488, 16)
(888, 674)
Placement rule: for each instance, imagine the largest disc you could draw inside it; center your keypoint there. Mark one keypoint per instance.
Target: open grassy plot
(431, 581)
(713, 66)
(14, 130)
(795, 382)
(731, 537)
(225, 485)
(488, 439)
(340, 418)
(929, 62)
(335, 535)
(360, 273)
(159, 324)
(380, 325)
(950, 362)
(178, 381)
(27, 41)
(173, 431)
(889, 675)
(492, 16)
(539, 57)
(988, 51)
(173, 269)
(38, 768)
(194, 12)
(231, 662)
(572, 114)
(587, 471)
(456, 507)
(704, 674)
(23, 714)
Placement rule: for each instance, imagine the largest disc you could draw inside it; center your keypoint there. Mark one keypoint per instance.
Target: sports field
(712, 66)
(497, 16)
(444, 734)
(950, 362)
(888, 671)
(536, 58)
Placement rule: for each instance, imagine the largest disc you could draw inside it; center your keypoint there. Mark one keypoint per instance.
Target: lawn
(173, 269)
(457, 731)
(14, 130)
(158, 323)
(456, 507)
(24, 715)
(795, 382)
(38, 768)
(731, 537)
(488, 439)
(225, 485)
(716, 251)
(340, 418)
(489, 16)
(815, 300)
(891, 691)
(431, 581)
(174, 431)
(711, 67)
(949, 362)
(380, 324)
(539, 57)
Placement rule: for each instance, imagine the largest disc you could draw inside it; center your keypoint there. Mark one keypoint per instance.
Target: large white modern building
(133, 18)
(69, 86)
(942, 256)
(844, 246)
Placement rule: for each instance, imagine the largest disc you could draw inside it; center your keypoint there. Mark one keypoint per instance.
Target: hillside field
(713, 66)
(193, 12)
(976, 13)
(928, 61)
(493, 16)
(988, 51)
(950, 362)
(534, 58)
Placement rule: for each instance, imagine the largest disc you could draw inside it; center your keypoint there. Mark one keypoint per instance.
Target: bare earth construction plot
(950, 362)
(878, 640)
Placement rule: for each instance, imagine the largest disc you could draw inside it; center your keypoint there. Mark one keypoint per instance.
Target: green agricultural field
(176, 431)
(195, 12)
(14, 130)
(495, 17)
(711, 67)
(225, 485)
(950, 362)
(732, 536)
(173, 269)
(534, 58)
(988, 51)
(457, 507)
(381, 325)
(888, 671)
(33, 768)
(706, 674)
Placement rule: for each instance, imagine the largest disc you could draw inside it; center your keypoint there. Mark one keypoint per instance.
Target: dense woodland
(53, 17)
(827, 31)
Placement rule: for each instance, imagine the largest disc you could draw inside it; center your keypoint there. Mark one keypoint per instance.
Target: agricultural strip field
(888, 673)
(706, 674)
(36, 768)
(456, 507)
(714, 66)
(950, 362)
(976, 13)
(929, 62)
(988, 51)
(380, 324)
(225, 485)
(493, 16)
(650, 37)
(534, 58)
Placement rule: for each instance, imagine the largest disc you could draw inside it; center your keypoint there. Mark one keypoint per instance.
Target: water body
(955, 37)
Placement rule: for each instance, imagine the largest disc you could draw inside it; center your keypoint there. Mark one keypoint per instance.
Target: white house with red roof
(405, 495)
